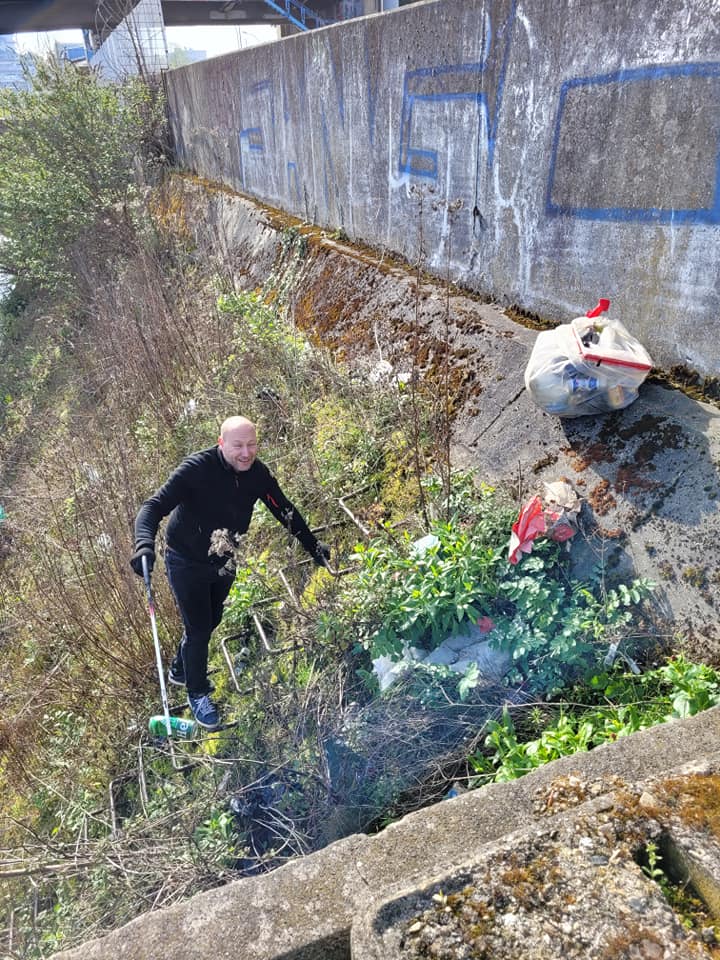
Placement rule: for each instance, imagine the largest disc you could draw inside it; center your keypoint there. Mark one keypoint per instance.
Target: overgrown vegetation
(691, 910)
(607, 706)
(100, 402)
(70, 152)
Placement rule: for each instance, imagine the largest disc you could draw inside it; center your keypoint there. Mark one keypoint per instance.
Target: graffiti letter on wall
(292, 177)
(639, 145)
(479, 83)
(253, 140)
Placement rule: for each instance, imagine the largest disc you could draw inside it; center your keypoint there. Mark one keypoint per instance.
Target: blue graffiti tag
(292, 176)
(706, 214)
(254, 136)
(453, 82)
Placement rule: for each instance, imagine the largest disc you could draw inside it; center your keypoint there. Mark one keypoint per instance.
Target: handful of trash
(591, 365)
(558, 519)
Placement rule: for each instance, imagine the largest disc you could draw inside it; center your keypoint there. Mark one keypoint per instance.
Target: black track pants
(200, 590)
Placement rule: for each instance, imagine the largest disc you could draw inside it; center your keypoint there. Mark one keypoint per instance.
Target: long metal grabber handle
(361, 526)
(265, 641)
(158, 656)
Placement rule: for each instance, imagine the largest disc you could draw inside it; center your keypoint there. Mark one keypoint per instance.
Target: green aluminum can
(179, 727)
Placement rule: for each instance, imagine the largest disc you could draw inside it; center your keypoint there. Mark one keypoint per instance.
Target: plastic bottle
(241, 661)
(565, 389)
(582, 386)
(179, 727)
(560, 391)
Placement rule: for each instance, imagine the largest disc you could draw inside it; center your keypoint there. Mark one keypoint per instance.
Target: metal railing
(298, 14)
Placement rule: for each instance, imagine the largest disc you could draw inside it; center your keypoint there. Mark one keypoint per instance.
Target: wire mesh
(133, 39)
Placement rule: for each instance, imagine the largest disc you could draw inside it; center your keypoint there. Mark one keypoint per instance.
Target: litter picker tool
(158, 657)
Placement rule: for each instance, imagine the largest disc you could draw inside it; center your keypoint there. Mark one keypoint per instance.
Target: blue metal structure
(298, 14)
(19, 16)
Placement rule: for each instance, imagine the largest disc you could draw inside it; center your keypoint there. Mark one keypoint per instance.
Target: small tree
(70, 150)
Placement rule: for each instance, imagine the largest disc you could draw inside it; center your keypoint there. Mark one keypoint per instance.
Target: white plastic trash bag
(591, 365)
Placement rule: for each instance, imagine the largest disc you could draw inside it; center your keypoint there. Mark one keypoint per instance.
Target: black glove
(136, 559)
(321, 554)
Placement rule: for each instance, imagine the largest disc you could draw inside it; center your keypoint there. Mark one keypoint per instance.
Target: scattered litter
(563, 509)
(104, 542)
(458, 652)
(485, 624)
(179, 727)
(381, 371)
(558, 519)
(420, 547)
(610, 656)
(456, 790)
(563, 495)
(526, 528)
(91, 473)
(588, 366)
(614, 654)
(3, 515)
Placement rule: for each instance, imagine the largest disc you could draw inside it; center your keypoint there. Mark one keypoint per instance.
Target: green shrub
(628, 703)
(553, 628)
(67, 157)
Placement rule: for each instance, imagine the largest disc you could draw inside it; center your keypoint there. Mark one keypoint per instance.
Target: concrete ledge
(570, 885)
(304, 911)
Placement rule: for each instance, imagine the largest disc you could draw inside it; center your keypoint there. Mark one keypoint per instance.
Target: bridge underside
(24, 16)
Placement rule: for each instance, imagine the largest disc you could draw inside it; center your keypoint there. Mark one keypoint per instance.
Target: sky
(214, 40)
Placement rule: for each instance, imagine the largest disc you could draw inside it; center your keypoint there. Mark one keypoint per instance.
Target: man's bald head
(232, 422)
(238, 442)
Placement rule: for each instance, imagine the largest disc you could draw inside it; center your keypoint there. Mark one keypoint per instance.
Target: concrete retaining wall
(542, 152)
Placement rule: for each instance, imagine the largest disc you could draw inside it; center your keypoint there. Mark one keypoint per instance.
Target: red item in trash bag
(528, 525)
(603, 305)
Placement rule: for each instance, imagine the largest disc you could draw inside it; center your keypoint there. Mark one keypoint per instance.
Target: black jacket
(205, 494)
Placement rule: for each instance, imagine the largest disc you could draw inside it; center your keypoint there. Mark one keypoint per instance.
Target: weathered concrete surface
(650, 474)
(570, 886)
(543, 154)
(304, 910)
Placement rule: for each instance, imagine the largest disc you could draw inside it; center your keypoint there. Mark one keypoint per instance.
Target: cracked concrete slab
(572, 885)
(305, 909)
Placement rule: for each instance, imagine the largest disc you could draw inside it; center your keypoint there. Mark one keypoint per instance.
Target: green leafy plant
(652, 868)
(624, 704)
(423, 597)
(695, 686)
(216, 836)
(553, 628)
(249, 586)
(66, 162)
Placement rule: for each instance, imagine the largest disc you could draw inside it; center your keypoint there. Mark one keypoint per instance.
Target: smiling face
(238, 442)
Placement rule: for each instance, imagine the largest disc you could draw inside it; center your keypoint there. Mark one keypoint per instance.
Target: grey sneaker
(204, 711)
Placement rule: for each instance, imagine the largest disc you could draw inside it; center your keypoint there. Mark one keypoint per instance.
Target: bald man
(210, 499)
